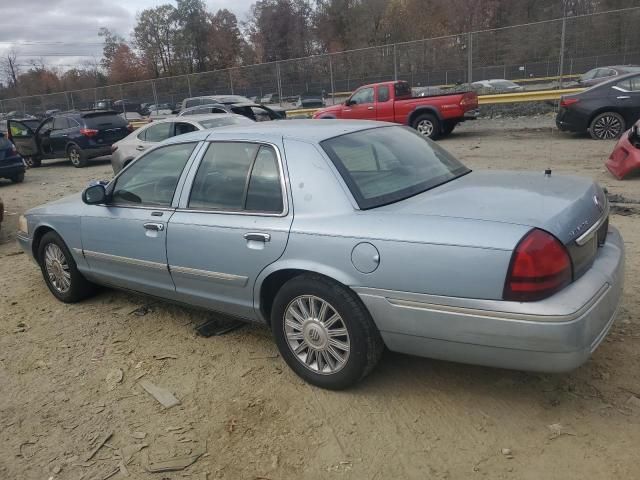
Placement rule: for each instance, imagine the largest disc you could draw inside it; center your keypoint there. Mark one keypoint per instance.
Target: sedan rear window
(388, 164)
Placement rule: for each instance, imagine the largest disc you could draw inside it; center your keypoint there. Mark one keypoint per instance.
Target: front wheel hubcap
(425, 127)
(607, 127)
(317, 335)
(57, 268)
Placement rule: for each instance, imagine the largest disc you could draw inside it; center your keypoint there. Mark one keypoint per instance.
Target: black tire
(607, 126)
(18, 178)
(364, 343)
(448, 127)
(79, 287)
(76, 156)
(428, 125)
(33, 162)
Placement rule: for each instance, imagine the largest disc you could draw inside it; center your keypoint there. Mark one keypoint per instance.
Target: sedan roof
(307, 130)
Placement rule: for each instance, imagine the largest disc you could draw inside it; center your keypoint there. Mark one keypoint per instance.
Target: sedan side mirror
(349, 102)
(94, 195)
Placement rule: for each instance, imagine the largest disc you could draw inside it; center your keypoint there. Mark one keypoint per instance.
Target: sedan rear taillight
(540, 266)
(88, 132)
(567, 102)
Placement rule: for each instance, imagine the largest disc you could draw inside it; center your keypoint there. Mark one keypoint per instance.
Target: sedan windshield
(388, 164)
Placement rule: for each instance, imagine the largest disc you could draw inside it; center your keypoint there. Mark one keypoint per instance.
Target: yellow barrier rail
(534, 96)
(519, 97)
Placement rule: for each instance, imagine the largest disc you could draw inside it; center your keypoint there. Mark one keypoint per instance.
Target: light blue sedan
(344, 238)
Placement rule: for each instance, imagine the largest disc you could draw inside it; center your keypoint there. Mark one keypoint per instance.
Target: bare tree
(9, 68)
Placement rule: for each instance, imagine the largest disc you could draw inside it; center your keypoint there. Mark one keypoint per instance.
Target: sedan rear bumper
(552, 335)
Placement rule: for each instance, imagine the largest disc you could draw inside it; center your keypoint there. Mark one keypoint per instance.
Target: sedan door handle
(140, 148)
(369, 108)
(257, 237)
(156, 227)
(623, 97)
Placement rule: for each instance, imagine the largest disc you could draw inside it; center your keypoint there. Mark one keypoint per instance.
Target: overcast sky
(73, 26)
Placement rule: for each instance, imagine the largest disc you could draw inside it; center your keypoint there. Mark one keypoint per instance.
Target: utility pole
(562, 45)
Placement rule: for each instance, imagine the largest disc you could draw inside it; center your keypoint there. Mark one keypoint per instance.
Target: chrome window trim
(125, 260)
(588, 235)
(226, 278)
(183, 205)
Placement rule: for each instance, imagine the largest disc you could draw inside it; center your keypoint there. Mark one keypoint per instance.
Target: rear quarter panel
(417, 253)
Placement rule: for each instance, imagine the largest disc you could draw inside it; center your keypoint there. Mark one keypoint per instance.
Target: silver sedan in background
(345, 237)
(124, 151)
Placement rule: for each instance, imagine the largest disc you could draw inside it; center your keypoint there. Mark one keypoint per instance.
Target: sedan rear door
(233, 221)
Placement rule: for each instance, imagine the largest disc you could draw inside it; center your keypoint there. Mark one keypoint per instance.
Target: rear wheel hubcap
(316, 334)
(607, 127)
(74, 156)
(425, 127)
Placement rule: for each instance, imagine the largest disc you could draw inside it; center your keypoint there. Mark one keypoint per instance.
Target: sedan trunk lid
(565, 206)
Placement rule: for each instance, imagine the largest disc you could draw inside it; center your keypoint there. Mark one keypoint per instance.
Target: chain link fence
(546, 54)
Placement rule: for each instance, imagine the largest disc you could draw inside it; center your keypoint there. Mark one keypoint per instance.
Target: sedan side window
(265, 192)
(363, 96)
(182, 127)
(152, 179)
(630, 84)
(239, 177)
(159, 132)
(221, 180)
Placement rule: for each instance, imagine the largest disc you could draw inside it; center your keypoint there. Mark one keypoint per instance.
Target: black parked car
(605, 111)
(11, 164)
(79, 136)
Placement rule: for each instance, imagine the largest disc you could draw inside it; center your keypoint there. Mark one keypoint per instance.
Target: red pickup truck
(433, 116)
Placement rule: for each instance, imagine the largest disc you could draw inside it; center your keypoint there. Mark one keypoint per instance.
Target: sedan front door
(231, 223)
(124, 241)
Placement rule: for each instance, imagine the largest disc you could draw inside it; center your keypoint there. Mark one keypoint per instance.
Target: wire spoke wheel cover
(57, 268)
(316, 334)
(607, 127)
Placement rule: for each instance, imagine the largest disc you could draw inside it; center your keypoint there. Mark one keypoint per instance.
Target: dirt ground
(254, 419)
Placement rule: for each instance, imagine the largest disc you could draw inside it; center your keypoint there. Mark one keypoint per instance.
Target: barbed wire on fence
(553, 49)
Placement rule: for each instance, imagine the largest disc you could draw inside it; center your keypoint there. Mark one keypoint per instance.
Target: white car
(124, 151)
(497, 85)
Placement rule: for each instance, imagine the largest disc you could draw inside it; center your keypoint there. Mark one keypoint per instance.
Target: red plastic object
(624, 159)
